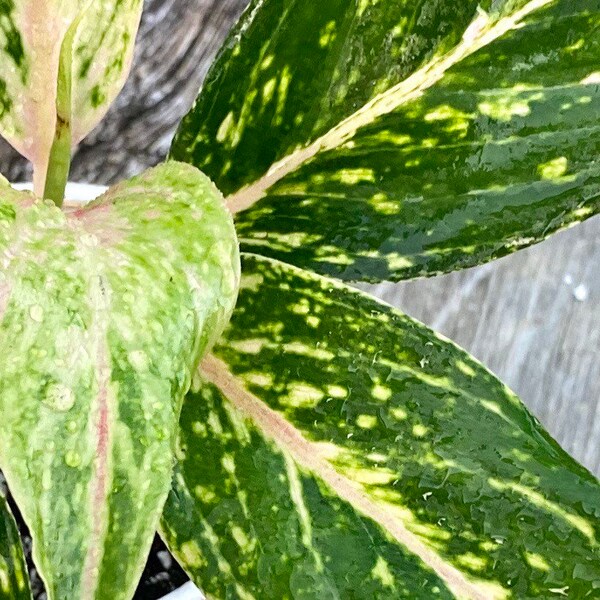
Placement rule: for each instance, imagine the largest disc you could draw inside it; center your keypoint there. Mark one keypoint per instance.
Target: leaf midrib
(477, 35)
(102, 413)
(309, 456)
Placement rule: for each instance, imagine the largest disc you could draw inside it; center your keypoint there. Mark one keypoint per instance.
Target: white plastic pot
(188, 591)
(76, 192)
(83, 193)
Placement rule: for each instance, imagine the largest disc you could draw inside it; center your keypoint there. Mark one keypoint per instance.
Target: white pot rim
(188, 591)
(82, 193)
(75, 192)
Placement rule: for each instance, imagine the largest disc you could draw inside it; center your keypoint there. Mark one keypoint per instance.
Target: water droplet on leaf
(36, 312)
(72, 459)
(59, 397)
(138, 360)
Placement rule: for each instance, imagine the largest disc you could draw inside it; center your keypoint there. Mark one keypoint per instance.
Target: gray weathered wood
(177, 43)
(517, 315)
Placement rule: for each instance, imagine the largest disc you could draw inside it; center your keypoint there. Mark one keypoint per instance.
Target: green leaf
(105, 312)
(96, 40)
(339, 449)
(395, 139)
(14, 580)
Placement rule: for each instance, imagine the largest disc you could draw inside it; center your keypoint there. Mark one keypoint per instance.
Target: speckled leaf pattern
(100, 35)
(102, 54)
(336, 448)
(14, 580)
(396, 139)
(105, 312)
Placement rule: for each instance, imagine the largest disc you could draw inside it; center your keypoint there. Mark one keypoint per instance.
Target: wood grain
(519, 315)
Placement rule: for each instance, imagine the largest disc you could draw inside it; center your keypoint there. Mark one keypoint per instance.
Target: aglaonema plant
(321, 444)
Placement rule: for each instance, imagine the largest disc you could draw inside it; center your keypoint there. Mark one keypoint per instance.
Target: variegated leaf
(89, 41)
(338, 449)
(394, 139)
(104, 314)
(14, 580)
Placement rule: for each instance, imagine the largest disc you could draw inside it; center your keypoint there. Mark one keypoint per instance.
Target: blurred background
(533, 318)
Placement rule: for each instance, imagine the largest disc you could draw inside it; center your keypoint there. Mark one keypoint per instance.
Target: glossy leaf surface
(395, 139)
(14, 579)
(96, 38)
(336, 448)
(104, 314)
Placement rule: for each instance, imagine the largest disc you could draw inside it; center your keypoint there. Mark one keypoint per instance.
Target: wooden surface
(519, 316)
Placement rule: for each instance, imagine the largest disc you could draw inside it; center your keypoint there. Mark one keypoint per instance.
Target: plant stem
(59, 162)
